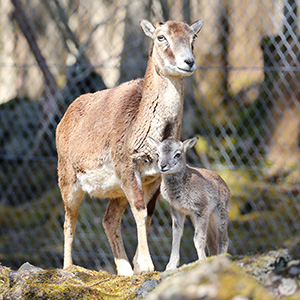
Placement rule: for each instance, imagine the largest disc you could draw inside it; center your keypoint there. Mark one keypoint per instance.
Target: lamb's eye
(161, 38)
(177, 155)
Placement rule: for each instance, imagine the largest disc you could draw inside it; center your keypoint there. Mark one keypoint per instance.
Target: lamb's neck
(179, 176)
(173, 184)
(174, 179)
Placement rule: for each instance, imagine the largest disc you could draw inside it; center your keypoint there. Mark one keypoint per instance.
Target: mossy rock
(215, 278)
(270, 275)
(267, 276)
(74, 283)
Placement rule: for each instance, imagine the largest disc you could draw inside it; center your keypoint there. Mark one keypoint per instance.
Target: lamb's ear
(154, 143)
(187, 144)
(148, 28)
(196, 26)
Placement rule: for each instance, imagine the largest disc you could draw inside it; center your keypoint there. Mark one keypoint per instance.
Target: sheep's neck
(161, 107)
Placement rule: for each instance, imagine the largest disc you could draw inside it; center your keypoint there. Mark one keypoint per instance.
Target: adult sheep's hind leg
(72, 197)
(112, 226)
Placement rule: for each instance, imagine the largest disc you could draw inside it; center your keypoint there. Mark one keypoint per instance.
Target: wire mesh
(242, 102)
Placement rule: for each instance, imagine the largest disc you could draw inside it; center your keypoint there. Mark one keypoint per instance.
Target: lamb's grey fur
(200, 193)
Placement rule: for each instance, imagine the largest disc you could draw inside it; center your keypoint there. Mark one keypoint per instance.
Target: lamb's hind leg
(212, 237)
(112, 226)
(221, 218)
(200, 222)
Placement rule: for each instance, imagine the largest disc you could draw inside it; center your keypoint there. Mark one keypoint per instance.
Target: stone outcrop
(266, 276)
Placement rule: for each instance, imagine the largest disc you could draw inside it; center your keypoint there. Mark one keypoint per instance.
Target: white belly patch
(101, 182)
(104, 183)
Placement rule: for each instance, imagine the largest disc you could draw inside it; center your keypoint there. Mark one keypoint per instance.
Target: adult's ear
(148, 28)
(187, 144)
(196, 26)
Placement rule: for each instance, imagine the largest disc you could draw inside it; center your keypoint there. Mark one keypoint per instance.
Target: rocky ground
(266, 276)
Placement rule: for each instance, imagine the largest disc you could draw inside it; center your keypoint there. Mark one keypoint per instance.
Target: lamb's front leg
(178, 219)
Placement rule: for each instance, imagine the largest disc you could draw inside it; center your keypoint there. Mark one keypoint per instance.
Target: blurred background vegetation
(242, 101)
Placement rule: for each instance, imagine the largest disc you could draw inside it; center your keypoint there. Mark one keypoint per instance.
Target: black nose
(189, 62)
(163, 167)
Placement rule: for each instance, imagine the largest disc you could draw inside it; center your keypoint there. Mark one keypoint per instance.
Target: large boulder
(259, 277)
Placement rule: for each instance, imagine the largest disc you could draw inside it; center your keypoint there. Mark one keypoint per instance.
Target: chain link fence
(242, 101)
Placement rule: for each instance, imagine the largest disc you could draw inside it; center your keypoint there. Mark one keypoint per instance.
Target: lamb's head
(172, 153)
(172, 52)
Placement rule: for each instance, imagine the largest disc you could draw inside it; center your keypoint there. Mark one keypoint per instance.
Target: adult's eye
(192, 44)
(161, 38)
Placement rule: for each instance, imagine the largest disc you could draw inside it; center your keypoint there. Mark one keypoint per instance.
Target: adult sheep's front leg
(142, 260)
(150, 195)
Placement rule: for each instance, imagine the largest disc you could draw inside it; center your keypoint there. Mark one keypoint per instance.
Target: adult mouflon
(102, 148)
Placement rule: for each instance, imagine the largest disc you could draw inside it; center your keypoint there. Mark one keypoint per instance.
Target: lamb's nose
(189, 62)
(163, 167)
